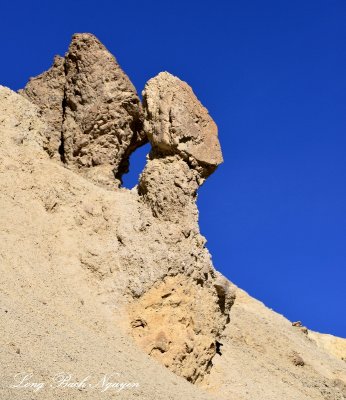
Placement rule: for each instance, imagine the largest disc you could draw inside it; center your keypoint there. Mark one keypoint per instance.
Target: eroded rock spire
(93, 110)
(177, 123)
(180, 320)
(185, 148)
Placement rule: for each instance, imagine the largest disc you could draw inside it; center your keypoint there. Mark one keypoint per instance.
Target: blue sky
(272, 74)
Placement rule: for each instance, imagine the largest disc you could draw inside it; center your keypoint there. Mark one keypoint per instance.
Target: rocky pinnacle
(93, 110)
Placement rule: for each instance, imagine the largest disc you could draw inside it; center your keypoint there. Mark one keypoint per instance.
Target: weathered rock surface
(102, 120)
(185, 149)
(169, 186)
(177, 123)
(92, 109)
(179, 322)
(181, 318)
(47, 91)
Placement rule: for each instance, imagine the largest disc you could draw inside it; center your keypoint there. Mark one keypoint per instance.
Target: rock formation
(47, 91)
(95, 119)
(175, 324)
(185, 148)
(177, 123)
(93, 110)
(106, 276)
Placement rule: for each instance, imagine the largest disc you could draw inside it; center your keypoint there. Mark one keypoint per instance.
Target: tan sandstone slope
(98, 280)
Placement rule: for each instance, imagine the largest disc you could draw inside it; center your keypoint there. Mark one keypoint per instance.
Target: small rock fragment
(297, 360)
(139, 322)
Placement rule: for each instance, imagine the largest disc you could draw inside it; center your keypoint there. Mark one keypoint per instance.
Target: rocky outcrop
(175, 320)
(177, 123)
(180, 322)
(92, 108)
(96, 122)
(102, 115)
(47, 92)
(185, 148)
(169, 187)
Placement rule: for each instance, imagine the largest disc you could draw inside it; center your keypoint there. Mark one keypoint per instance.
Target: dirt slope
(265, 357)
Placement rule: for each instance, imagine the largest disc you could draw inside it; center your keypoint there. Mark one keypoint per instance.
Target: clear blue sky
(272, 74)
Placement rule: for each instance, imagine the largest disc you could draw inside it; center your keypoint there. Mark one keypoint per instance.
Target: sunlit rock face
(177, 123)
(93, 110)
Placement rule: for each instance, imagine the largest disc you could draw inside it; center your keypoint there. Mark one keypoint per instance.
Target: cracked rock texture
(185, 149)
(169, 186)
(178, 322)
(92, 108)
(183, 318)
(108, 277)
(177, 123)
(47, 91)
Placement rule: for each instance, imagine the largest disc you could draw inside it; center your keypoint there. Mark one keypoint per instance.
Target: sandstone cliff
(97, 278)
